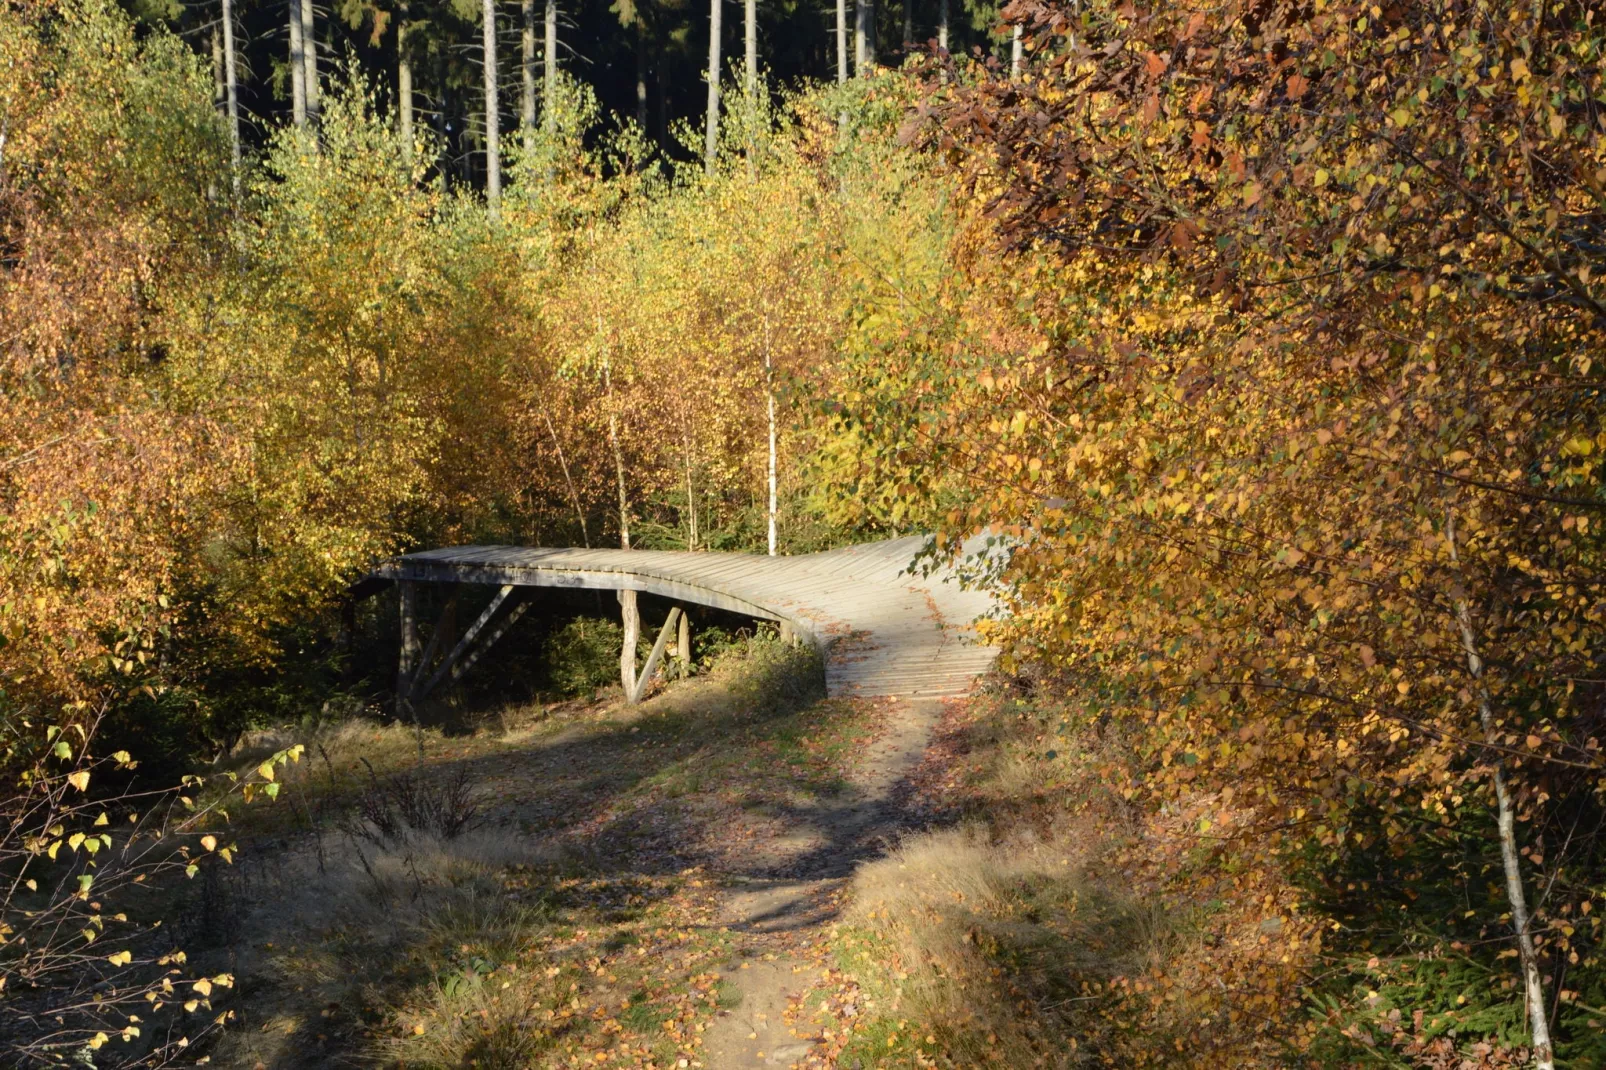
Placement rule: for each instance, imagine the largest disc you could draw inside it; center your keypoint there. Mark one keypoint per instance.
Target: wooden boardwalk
(883, 632)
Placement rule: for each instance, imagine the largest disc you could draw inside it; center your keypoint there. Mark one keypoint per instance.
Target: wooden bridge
(883, 630)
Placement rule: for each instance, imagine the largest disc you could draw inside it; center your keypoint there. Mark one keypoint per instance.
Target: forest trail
(787, 898)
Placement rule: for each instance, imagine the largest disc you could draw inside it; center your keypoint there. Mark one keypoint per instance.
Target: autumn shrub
(772, 676)
(91, 862)
(583, 655)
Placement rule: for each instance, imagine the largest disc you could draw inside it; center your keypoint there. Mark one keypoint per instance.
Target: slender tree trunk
(711, 124)
(493, 139)
(691, 489)
(942, 24)
(1506, 817)
(527, 71)
(750, 39)
(1017, 52)
(641, 72)
(298, 68)
(574, 495)
(231, 89)
(908, 25)
(630, 613)
(841, 41)
(549, 66)
(404, 85)
(309, 58)
(865, 11)
(769, 398)
(219, 94)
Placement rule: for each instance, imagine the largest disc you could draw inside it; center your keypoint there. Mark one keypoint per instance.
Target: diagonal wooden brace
(464, 643)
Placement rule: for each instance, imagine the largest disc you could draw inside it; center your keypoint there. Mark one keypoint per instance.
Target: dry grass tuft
(998, 949)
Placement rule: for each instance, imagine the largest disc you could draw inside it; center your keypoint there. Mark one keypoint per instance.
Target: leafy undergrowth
(1050, 922)
(544, 895)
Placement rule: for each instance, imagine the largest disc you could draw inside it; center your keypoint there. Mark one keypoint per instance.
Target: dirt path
(784, 899)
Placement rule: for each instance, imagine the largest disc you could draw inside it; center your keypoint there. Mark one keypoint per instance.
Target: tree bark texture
(231, 88)
(549, 65)
(750, 39)
(865, 13)
(298, 68)
(711, 122)
(527, 70)
(404, 86)
(841, 41)
(493, 148)
(309, 59)
(629, 612)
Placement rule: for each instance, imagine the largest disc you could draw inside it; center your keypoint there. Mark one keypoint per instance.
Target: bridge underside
(881, 630)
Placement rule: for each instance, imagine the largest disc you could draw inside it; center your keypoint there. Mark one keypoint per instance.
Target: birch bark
(1506, 820)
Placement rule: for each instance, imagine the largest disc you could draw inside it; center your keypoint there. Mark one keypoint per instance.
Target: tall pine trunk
(641, 72)
(1506, 822)
(549, 66)
(231, 89)
(404, 85)
(862, 45)
(493, 148)
(309, 59)
(841, 41)
(711, 122)
(219, 94)
(298, 68)
(750, 38)
(527, 71)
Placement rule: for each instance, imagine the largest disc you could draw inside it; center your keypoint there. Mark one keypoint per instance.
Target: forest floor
(648, 886)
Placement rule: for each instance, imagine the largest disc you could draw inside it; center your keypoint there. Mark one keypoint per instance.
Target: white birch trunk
(691, 491)
(574, 495)
(942, 25)
(298, 68)
(770, 398)
(1017, 52)
(711, 122)
(630, 614)
(1506, 817)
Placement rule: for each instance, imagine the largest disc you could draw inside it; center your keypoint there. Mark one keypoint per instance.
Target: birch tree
(527, 70)
(404, 81)
(231, 89)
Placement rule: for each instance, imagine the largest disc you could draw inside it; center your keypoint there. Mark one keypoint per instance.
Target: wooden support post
(437, 639)
(407, 661)
(684, 647)
(788, 633)
(638, 692)
(630, 619)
